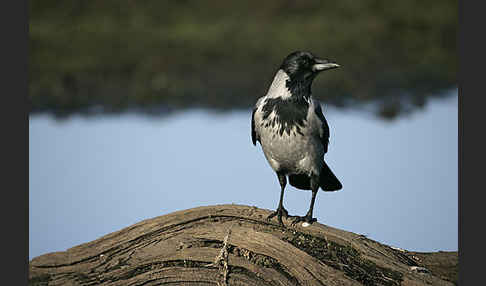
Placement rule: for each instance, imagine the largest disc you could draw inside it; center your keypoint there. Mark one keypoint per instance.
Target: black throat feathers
(300, 86)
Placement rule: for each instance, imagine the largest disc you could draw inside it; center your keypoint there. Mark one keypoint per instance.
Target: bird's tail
(327, 180)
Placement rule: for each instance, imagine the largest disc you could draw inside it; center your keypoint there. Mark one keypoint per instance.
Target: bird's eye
(304, 62)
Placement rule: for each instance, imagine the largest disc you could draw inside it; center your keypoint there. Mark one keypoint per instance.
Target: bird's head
(304, 65)
(302, 68)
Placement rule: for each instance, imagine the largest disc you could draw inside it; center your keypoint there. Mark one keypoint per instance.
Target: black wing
(324, 132)
(253, 132)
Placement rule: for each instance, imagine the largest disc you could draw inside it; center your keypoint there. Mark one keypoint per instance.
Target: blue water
(92, 176)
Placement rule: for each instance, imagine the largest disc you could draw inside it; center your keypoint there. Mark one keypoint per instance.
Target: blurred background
(139, 109)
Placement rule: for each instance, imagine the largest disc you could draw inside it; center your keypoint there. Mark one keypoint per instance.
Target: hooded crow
(293, 132)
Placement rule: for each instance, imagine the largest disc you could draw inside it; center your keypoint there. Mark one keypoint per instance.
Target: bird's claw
(283, 212)
(279, 213)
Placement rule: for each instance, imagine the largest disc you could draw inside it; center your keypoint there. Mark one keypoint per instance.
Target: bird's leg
(308, 217)
(280, 209)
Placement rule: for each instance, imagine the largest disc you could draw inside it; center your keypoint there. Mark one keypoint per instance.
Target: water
(91, 176)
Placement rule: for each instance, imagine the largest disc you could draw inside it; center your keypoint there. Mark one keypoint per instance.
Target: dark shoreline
(223, 55)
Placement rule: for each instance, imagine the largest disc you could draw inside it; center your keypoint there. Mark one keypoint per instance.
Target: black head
(304, 64)
(302, 68)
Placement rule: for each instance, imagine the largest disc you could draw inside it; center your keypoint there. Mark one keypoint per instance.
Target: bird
(293, 132)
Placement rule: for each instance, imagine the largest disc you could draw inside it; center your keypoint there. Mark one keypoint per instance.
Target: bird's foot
(307, 218)
(281, 211)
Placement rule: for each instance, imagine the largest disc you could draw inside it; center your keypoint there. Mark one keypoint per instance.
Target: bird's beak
(322, 65)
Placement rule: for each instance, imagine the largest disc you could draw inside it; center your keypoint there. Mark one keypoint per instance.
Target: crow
(293, 132)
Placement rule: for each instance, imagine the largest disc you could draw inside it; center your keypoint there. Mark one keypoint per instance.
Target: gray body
(294, 153)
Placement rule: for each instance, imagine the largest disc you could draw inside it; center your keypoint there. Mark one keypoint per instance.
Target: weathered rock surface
(236, 245)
